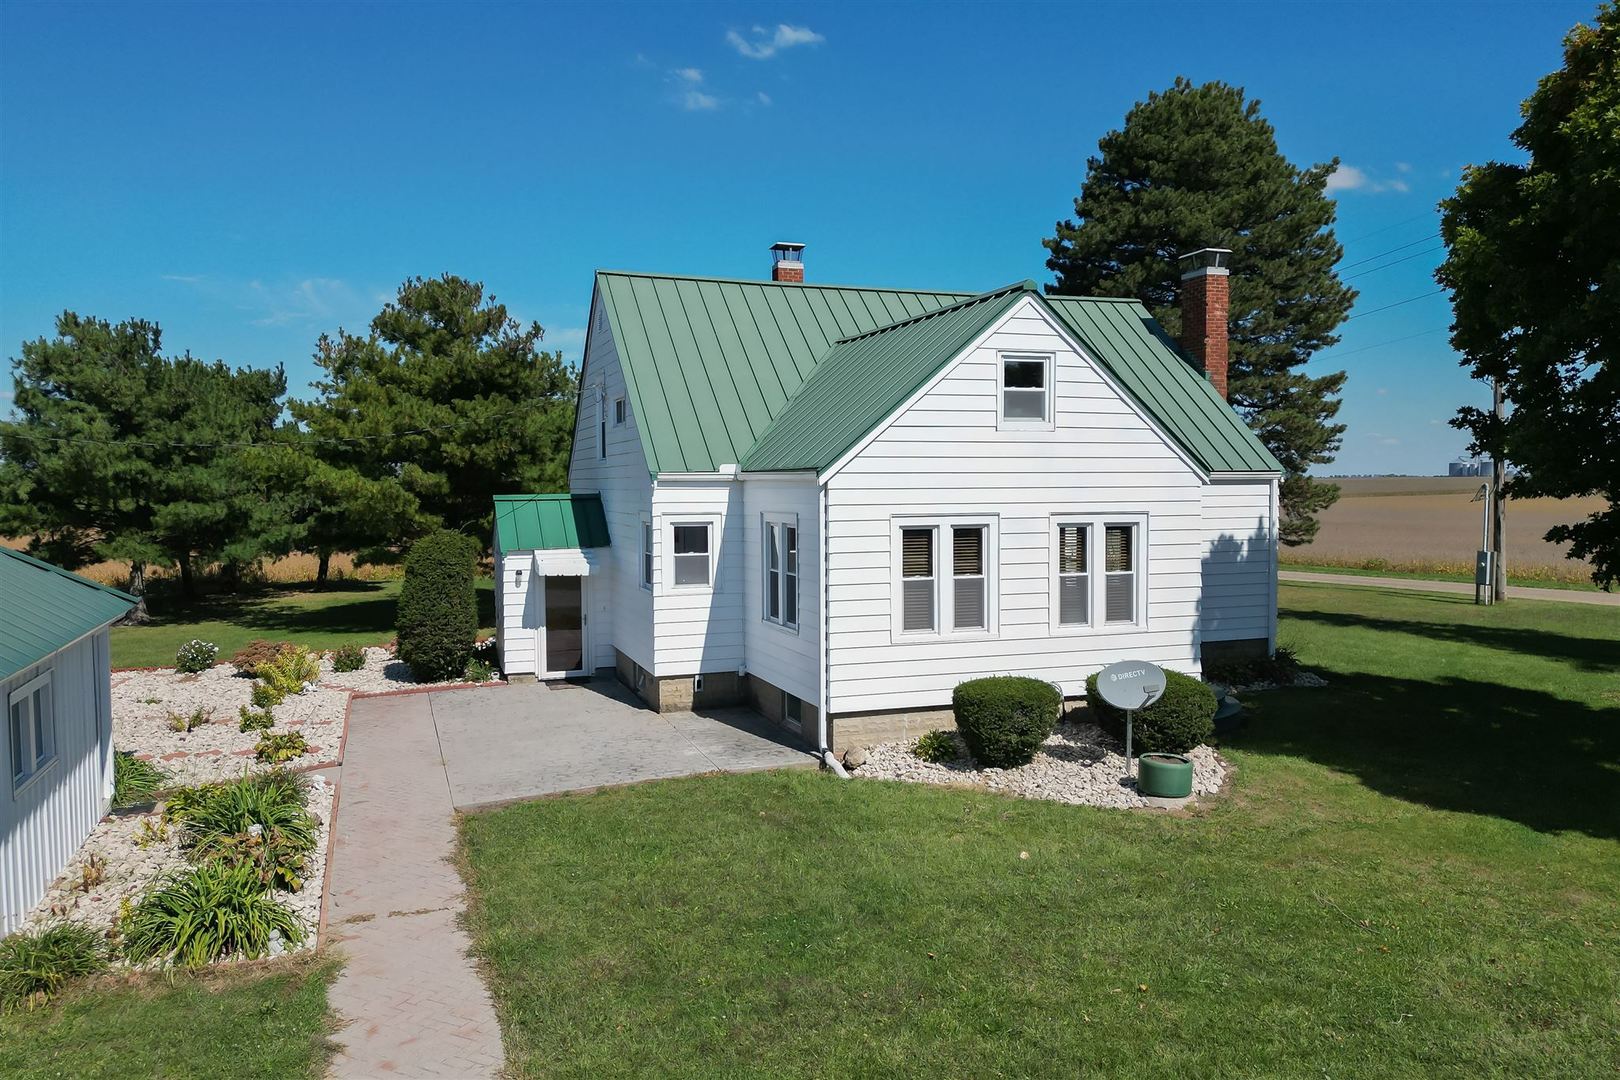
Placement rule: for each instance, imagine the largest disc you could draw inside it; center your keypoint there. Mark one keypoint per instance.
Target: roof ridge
(1018, 286)
(1093, 299)
(549, 495)
(41, 564)
(785, 284)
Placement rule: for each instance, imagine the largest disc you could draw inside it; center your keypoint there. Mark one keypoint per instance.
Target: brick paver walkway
(414, 1002)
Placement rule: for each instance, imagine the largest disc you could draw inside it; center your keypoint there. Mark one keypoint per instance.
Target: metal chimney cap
(786, 249)
(1210, 258)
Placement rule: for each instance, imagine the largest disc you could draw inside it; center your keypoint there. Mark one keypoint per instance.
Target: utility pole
(1498, 511)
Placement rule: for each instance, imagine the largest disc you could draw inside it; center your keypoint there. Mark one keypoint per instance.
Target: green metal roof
(549, 522)
(711, 366)
(710, 362)
(865, 378)
(44, 608)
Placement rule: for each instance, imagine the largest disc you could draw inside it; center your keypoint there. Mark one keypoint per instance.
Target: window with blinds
(691, 555)
(646, 554)
(1074, 594)
(1119, 570)
(790, 575)
(917, 579)
(773, 574)
(967, 577)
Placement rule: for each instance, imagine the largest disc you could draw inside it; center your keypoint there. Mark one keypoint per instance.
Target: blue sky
(251, 175)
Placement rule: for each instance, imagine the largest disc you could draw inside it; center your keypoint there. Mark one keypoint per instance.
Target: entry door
(564, 634)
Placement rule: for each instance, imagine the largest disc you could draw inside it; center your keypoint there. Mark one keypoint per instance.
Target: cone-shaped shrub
(438, 609)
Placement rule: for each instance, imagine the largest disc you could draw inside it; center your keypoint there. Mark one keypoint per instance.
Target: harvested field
(1426, 524)
(292, 568)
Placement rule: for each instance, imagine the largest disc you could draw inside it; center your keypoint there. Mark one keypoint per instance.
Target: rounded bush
(195, 655)
(438, 609)
(1005, 718)
(1180, 720)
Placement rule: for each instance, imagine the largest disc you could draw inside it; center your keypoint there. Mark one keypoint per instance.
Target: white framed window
(646, 552)
(601, 427)
(781, 562)
(1025, 398)
(945, 577)
(31, 728)
(618, 412)
(1099, 572)
(692, 554)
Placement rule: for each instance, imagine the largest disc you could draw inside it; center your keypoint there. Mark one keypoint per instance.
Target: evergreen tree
(1195, 167)
(121, 453)
(449, 397)
(1533, 263)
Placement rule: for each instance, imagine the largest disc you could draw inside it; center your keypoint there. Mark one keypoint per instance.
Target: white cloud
(765, 43)
(308, 300)
(763, 98)
(1350, 178)
(1383, 391)
(691, 75)
(698, 101)
(688, 96)
(1403, 166)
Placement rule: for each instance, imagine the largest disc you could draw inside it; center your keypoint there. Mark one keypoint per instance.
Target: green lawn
(1416, 873)
(1583, 585)
(348, 612)
(271, 1024)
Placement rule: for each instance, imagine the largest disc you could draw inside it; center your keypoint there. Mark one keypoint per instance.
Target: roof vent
(787, 262)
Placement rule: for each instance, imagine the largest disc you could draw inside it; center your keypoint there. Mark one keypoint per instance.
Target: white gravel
(1079, 764)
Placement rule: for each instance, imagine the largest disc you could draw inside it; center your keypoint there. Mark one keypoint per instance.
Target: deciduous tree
(1198, 166)
(1533, 263)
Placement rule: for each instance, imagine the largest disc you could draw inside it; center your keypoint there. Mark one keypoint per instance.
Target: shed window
(1120, 574)
(1026, 389)
(618, 412)
(967, 577)
(646, 554)
(917, 580)
(782, 572)
(1074, 600)
(692, 553)
(32, 728)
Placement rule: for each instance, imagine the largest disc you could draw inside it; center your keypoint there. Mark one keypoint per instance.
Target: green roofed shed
(549, 522)
(44, 608)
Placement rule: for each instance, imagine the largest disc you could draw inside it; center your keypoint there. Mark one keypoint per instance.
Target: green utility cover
(549, 522)
(44, 608)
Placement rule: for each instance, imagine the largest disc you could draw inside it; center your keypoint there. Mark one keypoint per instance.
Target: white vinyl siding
(697, 627)
(1239, 560)
(783, 656)
(45, 818)
(946, 459)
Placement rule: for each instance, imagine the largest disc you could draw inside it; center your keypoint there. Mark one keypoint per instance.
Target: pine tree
(1195, 167)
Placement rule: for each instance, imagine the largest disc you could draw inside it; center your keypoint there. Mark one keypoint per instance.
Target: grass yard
(271, 1023)
(1417, 873)
(346, 613)
(1581, 585)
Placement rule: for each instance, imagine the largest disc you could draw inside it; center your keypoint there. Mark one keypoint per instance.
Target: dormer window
(1026, 390)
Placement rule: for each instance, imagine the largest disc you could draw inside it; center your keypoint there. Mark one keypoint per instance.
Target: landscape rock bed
(1079, 764)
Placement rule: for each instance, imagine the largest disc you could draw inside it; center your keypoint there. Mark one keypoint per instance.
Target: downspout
(828, 758)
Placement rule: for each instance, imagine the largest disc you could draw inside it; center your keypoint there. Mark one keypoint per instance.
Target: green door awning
(549, 522)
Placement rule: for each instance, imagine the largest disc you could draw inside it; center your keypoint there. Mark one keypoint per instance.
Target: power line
(1391, 341)
(247, 445)
(1387, 228)
(1396, 304)
(1391, 251)
(1395, 262)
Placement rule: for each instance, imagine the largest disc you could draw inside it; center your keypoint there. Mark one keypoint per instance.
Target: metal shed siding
(43, 823)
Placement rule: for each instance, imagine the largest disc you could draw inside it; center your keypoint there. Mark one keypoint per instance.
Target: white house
(56, 763)
(838, 503)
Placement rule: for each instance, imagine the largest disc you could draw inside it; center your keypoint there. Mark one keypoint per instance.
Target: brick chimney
(787, 262)
(1205, 301)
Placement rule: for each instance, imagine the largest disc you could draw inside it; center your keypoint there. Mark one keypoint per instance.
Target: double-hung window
(601, 427)
(618, 412)
(946, 577)
(1073, 584)
(646, 553)
(782, 571)
(693, 554)
(1119, 572)
(31, 726)
(1026, 390)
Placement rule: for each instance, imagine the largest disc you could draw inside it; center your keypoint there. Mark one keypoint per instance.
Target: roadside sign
(1131, 684)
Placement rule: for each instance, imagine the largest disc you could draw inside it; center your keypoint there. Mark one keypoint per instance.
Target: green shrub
(277, 747)
(207, 913)
(1005, 718)
(348, 658)
(255, 719)
(179, 802)
(256, 652)
(265, 697)
(195, 655)
(1177, 722)
(258, 821)
(36, 965)
(293, 668)
(438, 608)
(183, 722)
(937, 747)
(478, 671)
(134, 781)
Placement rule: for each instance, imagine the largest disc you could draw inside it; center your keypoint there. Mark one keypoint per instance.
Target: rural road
(1515, 592)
